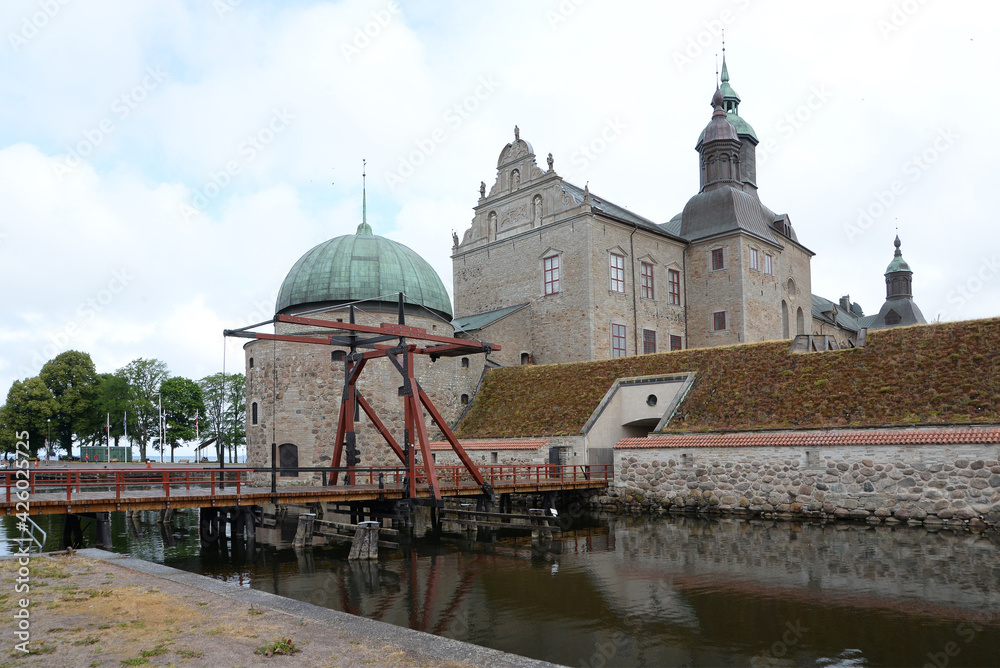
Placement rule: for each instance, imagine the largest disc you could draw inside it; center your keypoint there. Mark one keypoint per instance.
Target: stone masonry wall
(309, 384)
(928, 484)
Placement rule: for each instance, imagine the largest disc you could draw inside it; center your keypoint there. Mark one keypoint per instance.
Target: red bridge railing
(117, 483)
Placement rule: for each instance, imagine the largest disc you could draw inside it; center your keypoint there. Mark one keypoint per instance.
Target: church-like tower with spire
(899, 308)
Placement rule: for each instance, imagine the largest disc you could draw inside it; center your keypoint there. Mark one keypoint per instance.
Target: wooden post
(103, 530)
(365, 543)
(304, 532)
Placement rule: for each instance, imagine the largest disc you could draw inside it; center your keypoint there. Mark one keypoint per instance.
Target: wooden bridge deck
(89, 490)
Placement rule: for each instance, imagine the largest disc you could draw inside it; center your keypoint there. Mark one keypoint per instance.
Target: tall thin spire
(725, 70)
(364, 227)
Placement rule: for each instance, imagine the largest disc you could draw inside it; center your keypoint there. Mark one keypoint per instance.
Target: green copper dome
(362, 266)
(898, 263)
(731, 103)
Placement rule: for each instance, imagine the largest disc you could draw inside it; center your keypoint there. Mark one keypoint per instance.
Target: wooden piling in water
(365, 544)
(304, 532)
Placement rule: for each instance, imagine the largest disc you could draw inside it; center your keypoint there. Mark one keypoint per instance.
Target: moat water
(627, 591)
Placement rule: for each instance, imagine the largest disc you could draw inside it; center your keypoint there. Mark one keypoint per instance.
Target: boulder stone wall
(943, 484)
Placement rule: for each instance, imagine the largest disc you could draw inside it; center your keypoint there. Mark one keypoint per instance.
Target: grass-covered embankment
(943, 373)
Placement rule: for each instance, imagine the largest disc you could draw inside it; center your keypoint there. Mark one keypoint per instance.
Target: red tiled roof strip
(785, 439)
(506, 444)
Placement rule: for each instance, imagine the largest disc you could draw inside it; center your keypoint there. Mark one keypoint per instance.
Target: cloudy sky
(163, 165)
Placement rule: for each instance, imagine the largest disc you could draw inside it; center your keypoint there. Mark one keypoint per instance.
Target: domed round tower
(362, 267)
(294, 389)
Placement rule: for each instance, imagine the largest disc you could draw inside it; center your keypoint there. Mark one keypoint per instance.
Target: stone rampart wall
(929, 484)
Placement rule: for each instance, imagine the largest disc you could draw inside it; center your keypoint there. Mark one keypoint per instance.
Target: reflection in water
(646, 591)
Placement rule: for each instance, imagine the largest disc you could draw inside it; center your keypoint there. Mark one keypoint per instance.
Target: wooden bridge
(92, 490)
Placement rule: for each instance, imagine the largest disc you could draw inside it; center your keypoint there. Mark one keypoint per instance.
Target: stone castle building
(294, 389)
(553, 273)
(556, 273)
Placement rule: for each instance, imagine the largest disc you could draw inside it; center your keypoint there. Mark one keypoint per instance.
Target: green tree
(144, 377)
(236, 422)
(114, 398)
(29, 406)
(226, 408)
(182, 402)
(72, 380)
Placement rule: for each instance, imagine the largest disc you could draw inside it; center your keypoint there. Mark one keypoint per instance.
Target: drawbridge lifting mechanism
(353, 336)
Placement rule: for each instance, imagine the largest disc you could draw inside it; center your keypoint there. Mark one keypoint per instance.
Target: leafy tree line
(69, 402)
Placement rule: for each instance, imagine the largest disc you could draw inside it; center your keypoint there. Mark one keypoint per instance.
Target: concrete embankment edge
(431, 646)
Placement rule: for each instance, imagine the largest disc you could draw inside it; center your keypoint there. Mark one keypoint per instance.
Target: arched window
(338, 355)
(465, 399)
(251, 362)
(800, 322)
(253, 413)
(288, 458)
(784, 319)
(525, 359)
(465, 362)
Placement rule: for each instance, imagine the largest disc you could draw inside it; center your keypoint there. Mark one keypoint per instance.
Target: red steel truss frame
(415, 400)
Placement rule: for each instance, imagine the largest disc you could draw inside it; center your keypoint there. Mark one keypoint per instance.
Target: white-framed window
(754, 259)
(550, 271)
(768, 264)
(618, 341)
(617, 272)
(646, 280)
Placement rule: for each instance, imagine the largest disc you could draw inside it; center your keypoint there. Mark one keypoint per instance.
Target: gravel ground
(94, 608)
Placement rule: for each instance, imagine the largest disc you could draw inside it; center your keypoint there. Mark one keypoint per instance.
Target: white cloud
(189, 274)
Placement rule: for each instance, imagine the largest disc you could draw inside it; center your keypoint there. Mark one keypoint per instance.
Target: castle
(553, 273)
(557, 274)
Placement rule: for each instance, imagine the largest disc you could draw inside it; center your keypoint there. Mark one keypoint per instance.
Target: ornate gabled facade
(556, 273)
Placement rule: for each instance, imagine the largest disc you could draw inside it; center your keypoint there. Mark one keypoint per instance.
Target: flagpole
(108, 423)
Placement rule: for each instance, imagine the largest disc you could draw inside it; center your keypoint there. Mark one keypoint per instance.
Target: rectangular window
(754, 261)
(618, 340)
(718, 260)
(719, 320)
(674, 283)
(675, 342)
(551, 270)
(646, 274)
(617, 273)
(648, 341)
(768, 264)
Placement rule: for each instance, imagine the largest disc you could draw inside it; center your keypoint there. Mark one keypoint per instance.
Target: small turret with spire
(899, 308)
